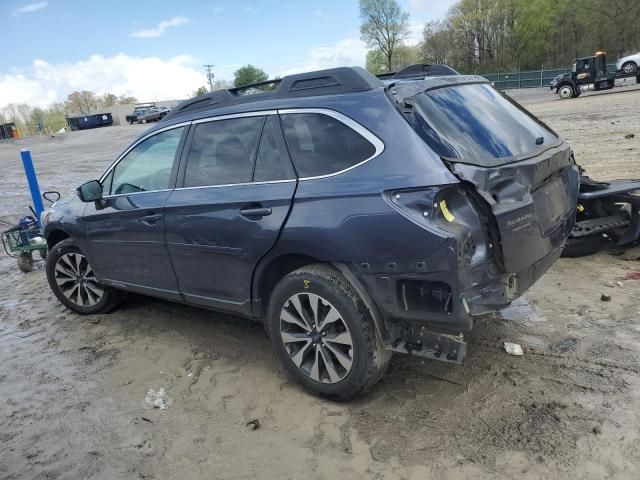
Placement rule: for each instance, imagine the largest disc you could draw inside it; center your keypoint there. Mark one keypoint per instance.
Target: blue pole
(33, 182)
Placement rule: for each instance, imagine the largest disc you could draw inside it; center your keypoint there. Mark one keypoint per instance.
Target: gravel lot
(72, 388)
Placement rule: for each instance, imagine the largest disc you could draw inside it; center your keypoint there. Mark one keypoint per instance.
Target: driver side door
(126, 233)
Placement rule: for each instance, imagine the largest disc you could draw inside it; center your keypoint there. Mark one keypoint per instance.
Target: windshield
(475, 123)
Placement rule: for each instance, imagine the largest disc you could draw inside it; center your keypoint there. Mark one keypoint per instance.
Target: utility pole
(209, 76)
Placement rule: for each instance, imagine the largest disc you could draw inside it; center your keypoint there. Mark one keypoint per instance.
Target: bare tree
(384, 26)
(437, 42)
(82, 103)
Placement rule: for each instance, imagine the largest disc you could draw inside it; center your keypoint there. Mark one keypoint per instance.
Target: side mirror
(90, 191)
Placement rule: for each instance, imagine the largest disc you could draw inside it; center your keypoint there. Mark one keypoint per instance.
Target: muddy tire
(25, 262)
(323, 333)
(74, 283)
(583, 246)
(566, 91)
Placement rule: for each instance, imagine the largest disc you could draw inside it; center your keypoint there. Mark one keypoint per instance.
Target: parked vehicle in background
(628, 64)
(137, 111)
(153, 114)
(590, 73)
(353, 218)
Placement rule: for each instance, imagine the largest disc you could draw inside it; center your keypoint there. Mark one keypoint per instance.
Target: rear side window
(273, 160)
(223, 152)
(477, 124)
(321, 145)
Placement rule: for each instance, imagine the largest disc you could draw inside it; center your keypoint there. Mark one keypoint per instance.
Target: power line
(210, 76)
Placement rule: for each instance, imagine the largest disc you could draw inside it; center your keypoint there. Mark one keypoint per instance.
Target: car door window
(223, 152)
(147, 167)
(273, 161)
(321, 144)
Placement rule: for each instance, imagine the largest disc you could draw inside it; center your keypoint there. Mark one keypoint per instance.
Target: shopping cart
(22, 240)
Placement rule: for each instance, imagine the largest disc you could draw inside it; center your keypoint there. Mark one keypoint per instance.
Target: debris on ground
(253, 424)
(513, 348)
(632, 276)
(605, 298)
(158, 399)
(609, 284)
(629, 135)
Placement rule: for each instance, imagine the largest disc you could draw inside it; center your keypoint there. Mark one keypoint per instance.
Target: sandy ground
(72, 388)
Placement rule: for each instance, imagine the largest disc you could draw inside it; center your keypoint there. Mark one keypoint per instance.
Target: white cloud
(30, 8)
(161, 28)
(345, 53)
(146, 78)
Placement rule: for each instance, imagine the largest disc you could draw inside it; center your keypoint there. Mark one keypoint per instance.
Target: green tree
(199, 91)
(247, 75)
(384, 27)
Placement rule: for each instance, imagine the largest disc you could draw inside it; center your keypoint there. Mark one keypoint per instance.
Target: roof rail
(419, 70)
(332, 81)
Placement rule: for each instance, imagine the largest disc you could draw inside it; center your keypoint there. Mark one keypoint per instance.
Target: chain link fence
(531, 78)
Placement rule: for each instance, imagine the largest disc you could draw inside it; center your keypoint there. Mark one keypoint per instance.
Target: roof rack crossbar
(275, 81)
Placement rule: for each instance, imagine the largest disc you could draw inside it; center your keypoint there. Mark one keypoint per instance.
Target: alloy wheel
(76, 280)
(316, 338)
(629, 67)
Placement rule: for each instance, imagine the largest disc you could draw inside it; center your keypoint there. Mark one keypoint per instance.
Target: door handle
(151, 220)
(255, 212)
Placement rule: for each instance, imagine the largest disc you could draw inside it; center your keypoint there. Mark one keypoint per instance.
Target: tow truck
(590, 73)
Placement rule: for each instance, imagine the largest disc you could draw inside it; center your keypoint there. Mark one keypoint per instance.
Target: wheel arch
(55, 236)
(274, 269)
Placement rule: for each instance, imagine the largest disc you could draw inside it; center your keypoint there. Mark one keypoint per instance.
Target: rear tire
(583, 246)
(74, 283)
(323, 333)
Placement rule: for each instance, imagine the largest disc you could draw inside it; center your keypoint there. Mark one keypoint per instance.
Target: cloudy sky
(155, 50)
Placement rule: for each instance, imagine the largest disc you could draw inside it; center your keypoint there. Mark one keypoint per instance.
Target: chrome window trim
(375, 141)
(116, 195)
(230, 116)
(245, 184)
(131, 147)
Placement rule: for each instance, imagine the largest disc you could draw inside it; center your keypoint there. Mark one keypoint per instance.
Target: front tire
(323, 333)
(629, 67)
(566, 91)
(74, 283)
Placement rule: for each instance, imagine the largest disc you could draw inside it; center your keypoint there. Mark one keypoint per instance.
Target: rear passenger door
(236, 185)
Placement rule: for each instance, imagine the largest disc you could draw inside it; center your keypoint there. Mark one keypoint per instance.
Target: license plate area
(551, 202)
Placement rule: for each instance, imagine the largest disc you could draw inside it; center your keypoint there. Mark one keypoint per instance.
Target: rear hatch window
(474, 123)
